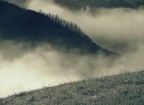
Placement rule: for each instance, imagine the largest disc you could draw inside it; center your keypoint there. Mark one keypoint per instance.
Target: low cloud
(45, 66)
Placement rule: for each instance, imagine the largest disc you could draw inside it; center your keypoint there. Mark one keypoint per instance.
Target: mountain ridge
(20, 24)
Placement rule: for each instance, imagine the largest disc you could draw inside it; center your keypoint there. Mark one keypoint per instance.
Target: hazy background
(120, 30)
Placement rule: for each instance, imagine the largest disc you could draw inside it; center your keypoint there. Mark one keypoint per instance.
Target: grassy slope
(123, 89)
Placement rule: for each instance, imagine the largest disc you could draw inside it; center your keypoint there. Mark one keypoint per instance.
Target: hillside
(93, 4)
(19, 24)
(123, 89)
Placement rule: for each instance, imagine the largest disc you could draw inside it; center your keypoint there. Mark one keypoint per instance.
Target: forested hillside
(26, 25)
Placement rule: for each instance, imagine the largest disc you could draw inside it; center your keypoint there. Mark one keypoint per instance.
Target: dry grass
(123, 89)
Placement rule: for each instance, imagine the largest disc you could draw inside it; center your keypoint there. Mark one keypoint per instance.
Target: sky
(119, 30)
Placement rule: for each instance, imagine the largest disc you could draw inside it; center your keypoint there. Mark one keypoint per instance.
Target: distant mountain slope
(25, 25)
(123, 89)
(79, 4)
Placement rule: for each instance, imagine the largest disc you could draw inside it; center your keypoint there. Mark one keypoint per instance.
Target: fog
(44, 66)
(121, 30)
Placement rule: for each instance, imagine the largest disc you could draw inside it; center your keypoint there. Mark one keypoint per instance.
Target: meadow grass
(122, 89)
